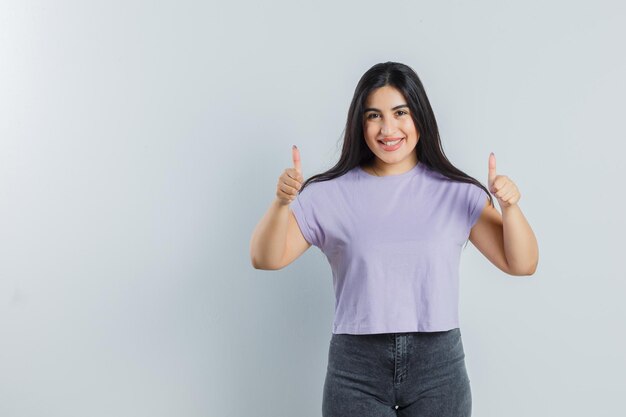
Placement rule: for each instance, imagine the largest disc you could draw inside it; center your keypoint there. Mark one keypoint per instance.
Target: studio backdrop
(141, 142)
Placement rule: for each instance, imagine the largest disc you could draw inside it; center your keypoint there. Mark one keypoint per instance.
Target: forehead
(386, 96)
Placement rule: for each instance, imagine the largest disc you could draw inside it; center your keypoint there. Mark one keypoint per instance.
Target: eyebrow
(395, 108)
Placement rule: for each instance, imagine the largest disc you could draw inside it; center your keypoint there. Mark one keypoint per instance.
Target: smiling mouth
(391, 143)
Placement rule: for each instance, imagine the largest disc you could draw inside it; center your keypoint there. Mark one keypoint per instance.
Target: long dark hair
(355, 151)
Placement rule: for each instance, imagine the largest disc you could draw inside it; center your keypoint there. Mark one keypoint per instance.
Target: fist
(501, 186)
(290, 182)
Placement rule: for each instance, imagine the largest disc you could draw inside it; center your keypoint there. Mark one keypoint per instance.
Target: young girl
(392, 217)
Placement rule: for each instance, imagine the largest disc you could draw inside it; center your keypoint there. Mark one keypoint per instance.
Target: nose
(388, 127)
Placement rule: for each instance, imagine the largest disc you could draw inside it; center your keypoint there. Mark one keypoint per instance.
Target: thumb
(492, 169)
(295, 154)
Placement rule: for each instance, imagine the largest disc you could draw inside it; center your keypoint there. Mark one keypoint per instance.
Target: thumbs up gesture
(501, 186)
(291, 180)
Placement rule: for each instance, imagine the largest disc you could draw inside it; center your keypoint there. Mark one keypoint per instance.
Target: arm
(507, 241)
(284, 239)
(269, 238)
(277, 239)
(520, 243)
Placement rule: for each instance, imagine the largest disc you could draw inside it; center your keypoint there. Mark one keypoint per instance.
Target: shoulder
(321, 186)
(476, 190)
(436, 176)
(314, 192)
(314, 187)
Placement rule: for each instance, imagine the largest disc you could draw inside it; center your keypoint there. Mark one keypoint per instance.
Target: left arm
(520, 244)
(506, 240)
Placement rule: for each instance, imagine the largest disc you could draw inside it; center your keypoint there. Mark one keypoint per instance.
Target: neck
(383, 169)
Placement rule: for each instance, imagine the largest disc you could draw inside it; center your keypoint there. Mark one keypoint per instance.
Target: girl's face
(387, 118)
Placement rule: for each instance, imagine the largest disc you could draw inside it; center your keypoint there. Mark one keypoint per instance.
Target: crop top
(394, 245)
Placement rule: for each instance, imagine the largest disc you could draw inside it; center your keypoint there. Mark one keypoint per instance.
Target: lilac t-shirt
(394, 245)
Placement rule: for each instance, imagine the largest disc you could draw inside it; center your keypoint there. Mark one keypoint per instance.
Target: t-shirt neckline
(392, 176)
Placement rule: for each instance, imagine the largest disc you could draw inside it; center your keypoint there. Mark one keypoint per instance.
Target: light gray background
(141, 142)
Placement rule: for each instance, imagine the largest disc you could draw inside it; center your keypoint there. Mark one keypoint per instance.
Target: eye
(401, 112)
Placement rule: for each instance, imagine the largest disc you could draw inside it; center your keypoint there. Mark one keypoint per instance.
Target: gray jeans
(397, 374)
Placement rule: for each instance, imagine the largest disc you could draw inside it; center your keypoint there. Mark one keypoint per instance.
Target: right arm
(277, 240)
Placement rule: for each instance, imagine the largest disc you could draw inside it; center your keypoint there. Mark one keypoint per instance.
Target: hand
(291, 180)
(501, 186)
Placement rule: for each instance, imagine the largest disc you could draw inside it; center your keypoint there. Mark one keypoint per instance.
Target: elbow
(522, 272)
(254, 260)
(525, 267)
(533, 267)
(256, 264)
(526, 272)
(263, 267)
(262, 264)
(532, 270)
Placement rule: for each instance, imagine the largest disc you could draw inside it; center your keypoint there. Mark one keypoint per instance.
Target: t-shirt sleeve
(303, 208)
(478, 198)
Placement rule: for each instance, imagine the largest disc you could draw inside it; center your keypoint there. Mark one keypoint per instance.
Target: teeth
(392, 143)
